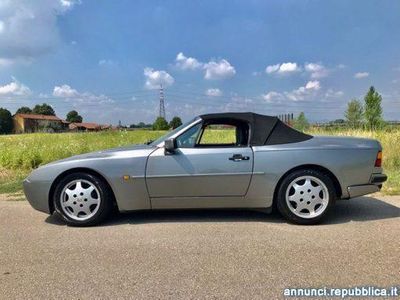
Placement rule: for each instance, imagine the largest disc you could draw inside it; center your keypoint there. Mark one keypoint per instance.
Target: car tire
(83, 199)
(305, 196)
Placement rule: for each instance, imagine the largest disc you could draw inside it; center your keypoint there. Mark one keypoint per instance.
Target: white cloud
(316, 70)
(330, 93)
(69, 3)
(271, 96)
(304, 91)
(283, 69)
(310, 89)
(360, 75)
(237, 103)
(288, 68)
(214, 92)
(155, 78)
(214, 69)
(313, 85)
(65, 91)
(187, 63)
(107, 63)
(14, 88)
(219, 70)
(76, 98)
(4, 62)
(272, 69)
(29, 28)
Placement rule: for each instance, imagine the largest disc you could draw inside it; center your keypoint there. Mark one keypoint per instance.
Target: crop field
(19, 154)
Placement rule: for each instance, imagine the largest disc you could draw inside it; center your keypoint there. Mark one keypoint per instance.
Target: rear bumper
(37, 193)
(374, 185)
(360, 190)
(378, 178)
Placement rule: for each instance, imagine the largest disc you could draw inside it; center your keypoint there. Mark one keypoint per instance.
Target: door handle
(239, 157)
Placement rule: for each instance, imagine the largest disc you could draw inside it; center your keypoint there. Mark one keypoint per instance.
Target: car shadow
(361, 209)
(183, 216)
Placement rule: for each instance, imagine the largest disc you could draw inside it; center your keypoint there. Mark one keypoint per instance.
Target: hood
(125, 148)
(119, 151)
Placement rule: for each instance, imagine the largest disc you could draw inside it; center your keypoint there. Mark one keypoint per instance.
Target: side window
(224, 135)
(189, 137)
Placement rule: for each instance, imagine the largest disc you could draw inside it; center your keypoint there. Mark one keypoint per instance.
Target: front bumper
(37, 193)
(374, 185)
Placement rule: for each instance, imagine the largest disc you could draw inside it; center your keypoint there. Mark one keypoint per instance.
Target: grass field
(19, 154)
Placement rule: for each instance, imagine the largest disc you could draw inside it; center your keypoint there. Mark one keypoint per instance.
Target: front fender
(130, 194)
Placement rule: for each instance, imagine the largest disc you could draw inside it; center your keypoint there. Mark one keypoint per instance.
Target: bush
(160, 124)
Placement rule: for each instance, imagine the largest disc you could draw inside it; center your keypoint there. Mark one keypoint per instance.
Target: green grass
(11, 181)
(19, 154)
(28, 151)
(390, 141)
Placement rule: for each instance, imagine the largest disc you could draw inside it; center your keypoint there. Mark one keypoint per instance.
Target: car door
(200, 170)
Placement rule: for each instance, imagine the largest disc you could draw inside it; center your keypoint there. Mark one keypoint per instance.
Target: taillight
(378, 161)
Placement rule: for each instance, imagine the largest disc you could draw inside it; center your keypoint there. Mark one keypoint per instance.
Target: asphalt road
(197, 254)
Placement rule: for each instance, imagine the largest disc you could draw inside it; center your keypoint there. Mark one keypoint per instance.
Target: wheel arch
(76, 170)
(331, 175)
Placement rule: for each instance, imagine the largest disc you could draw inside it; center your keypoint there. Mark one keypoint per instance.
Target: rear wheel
(82, 199)
(305, 196)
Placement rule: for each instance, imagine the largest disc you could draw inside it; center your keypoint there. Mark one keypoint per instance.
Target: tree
(160, 124)
(354, 113)
(74, 117)
(24, 110)
(339, 121)
(301, 123)
(373, 109)
(175, 122)
(44, 109)
(6, 121)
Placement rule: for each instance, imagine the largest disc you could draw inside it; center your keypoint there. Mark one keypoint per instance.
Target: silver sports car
(259, 162)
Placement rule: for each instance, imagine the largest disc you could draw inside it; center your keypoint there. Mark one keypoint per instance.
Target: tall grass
(390, 141)
(19, 154)
(28, 151)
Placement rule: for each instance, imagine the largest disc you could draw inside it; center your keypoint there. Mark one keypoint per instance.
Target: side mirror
(170, 146)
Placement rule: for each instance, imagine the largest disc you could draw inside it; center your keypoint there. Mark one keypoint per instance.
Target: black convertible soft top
(264, 130)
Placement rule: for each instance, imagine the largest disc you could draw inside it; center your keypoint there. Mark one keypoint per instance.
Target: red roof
(85, 125)
(38, 117)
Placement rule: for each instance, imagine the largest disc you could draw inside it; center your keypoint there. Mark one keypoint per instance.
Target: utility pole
(162, 106)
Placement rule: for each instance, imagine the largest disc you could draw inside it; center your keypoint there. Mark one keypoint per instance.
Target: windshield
(171, 133)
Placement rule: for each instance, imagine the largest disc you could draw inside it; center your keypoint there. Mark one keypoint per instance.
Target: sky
(107, 59)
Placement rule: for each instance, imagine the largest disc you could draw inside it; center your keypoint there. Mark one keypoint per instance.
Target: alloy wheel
(80, 199)
(307, 197)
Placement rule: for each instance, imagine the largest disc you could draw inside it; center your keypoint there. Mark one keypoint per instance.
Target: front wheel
(305, 196)
(82, 199)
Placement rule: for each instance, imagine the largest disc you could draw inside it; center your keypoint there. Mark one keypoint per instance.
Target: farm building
(28, 123)
(84, 127)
